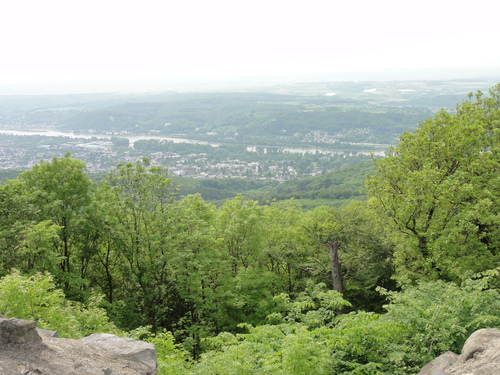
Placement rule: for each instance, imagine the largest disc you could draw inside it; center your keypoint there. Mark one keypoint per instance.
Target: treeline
(160, 259)
(217, 191)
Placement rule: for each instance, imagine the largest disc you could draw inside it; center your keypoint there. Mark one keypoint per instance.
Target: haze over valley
(277, 132)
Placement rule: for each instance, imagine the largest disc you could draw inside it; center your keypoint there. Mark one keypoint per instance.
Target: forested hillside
(335, 188)
(267, 286)
(348, 112)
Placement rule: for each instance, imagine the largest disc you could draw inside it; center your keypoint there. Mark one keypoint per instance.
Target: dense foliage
(245, 288)
(439, 190)
(36, 297)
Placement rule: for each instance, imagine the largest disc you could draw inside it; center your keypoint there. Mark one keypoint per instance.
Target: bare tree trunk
(338, 282)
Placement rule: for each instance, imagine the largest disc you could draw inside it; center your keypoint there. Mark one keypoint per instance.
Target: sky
(62, 42)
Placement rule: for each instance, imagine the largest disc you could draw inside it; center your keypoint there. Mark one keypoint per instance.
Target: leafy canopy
(438, 190)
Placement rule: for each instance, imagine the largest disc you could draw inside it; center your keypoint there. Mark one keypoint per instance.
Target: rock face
(24, 350)
(480, 356)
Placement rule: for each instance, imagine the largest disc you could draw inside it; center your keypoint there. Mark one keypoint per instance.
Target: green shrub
(35, 297)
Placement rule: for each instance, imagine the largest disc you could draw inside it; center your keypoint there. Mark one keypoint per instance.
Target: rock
(479, 342)
(438, 365)
(124, 348)
(28, 351)
(17, 331)
(46, 333)
(480, 356)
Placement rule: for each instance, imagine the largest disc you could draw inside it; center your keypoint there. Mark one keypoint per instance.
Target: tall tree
(327, 230)
(104, 234)
(348, 249)
(198, 269)
(248, 289)
(58, 192)
(142, 203)
(438, 190)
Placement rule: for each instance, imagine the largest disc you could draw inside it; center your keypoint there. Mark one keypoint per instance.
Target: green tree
(17, 216)
(349, 251)
(120, 142)
(36, 248)
(328, 230)
(250, 283)
(240, 226)
(285, 251)
(142, 204)
(105, 272)
(198, 270)
(367, 257)
(52, 197)
(438, 191)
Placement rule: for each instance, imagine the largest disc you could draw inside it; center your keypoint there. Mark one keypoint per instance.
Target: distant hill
(238, 118)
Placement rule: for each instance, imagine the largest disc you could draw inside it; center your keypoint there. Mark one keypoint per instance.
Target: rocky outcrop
(480, 356)
(17, 331)
(25, 350)
(121, 348)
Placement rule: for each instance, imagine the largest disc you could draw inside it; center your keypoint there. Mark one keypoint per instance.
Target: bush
(421, 323)
(35, 297)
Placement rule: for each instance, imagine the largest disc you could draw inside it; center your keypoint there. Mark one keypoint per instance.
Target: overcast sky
(63, 40)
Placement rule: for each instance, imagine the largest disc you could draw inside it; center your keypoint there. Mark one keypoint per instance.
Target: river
(133, 138)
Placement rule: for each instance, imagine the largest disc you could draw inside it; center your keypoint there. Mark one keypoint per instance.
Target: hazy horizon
(57, 46)
(75, 85)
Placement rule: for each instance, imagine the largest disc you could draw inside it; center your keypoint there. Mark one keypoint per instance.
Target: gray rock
(479, 342)
(439, 365)
(480, 356)
(17, 331)
(124, 348)
(24, 351)
(47, 333)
